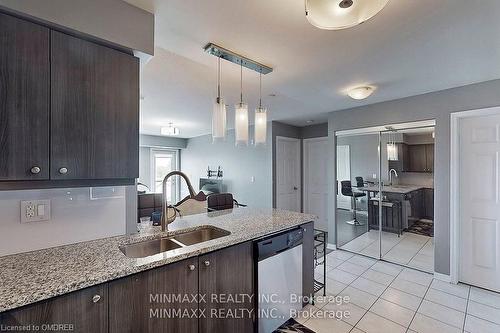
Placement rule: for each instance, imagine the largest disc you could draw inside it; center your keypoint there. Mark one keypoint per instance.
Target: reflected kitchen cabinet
(421, 158)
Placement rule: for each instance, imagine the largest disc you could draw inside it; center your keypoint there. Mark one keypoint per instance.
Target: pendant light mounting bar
(233, 57)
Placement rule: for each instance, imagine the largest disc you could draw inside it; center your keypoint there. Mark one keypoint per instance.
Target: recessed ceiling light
(361, 92)
(170, 130)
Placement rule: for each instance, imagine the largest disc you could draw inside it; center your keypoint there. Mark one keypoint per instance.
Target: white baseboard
(331, 246)
(442, 277)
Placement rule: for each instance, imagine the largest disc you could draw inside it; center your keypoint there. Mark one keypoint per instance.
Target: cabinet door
(24, 100)
(144, 302)
(95, 111)
(429, 153)
(224, 273)
(429, 203)
(418, 158)
(81, 312)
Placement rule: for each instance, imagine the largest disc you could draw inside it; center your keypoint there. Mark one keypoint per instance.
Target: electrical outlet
(35, 211)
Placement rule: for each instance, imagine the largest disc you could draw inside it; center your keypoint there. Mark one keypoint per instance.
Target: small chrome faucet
(165, 220)
(390, 175)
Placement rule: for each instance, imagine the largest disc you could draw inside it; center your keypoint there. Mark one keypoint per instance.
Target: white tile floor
(388, 298)
(412, 250)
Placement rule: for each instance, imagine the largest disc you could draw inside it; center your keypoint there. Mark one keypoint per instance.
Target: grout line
(419, 305)
(466, 310)
(376, 302)
(417, 252)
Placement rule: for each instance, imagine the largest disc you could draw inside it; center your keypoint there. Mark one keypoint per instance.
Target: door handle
(295, 188)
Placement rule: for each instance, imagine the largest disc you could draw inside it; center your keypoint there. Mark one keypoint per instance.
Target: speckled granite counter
(34, 276)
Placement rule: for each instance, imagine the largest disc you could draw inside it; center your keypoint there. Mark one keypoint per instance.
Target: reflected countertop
(398, 189)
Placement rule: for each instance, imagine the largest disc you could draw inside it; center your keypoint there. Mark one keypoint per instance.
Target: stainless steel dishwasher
(279, 278)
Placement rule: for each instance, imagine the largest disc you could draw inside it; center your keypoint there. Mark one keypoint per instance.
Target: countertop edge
(87, 283)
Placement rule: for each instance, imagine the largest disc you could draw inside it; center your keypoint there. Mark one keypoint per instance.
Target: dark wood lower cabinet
(429, 203)
(227, 282)
(84, 311)
(158, 300)
(210, 293)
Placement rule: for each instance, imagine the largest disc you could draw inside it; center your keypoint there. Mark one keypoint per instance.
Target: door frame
(299, 164)
(305, 153)
(455, 184)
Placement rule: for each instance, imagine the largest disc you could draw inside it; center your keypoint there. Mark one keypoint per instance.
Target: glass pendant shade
(219, 120)
(241, 124)
(341, 14)
(392, 152)
(260, 126)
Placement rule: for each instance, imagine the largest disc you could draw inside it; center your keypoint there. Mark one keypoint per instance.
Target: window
(163, 162)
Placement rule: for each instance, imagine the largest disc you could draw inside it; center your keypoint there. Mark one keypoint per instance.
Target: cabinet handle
(63, 171)
(35, 170)
(192, 267)
(96, 298)
(207, 263)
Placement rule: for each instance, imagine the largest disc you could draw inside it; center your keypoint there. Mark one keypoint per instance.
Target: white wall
(74, 218)
(239, 164)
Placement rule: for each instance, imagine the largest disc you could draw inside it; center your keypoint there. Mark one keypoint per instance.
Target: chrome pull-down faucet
(390, 175)
(165, 220)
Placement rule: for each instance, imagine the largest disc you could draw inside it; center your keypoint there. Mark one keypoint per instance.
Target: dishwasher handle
(276, 244)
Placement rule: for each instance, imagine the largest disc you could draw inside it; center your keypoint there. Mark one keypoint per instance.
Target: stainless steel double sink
(183, 239)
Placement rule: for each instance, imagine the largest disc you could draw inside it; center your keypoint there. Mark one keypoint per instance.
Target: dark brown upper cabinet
(421, 158)
(24, 100)
(94, 111)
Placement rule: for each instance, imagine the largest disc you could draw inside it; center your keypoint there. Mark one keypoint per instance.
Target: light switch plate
(35, 211)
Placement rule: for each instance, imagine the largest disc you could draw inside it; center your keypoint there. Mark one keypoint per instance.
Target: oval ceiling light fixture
(361, 92)
(341, 14)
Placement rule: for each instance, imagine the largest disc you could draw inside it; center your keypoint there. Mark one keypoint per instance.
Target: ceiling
(411, 47)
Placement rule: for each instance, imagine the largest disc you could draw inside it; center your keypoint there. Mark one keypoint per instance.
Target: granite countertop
(399, 189)
(34, 276)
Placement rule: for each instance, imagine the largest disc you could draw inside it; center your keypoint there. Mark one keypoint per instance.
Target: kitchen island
(56, 273)
(402, 204)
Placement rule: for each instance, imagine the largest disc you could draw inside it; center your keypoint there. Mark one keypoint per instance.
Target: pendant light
(341, 14)
(219, 112)
(241, 116)
(392, 148)
(260, 125)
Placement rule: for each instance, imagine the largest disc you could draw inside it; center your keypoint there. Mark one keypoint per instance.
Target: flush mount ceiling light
(361, 92)
(170, 130)
(341, 14)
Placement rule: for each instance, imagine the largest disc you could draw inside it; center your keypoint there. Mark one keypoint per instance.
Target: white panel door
(315, 180)
(343, 173)
(479, 201)
(288, 174)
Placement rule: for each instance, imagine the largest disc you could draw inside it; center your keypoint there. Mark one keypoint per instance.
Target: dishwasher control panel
(278, 243)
